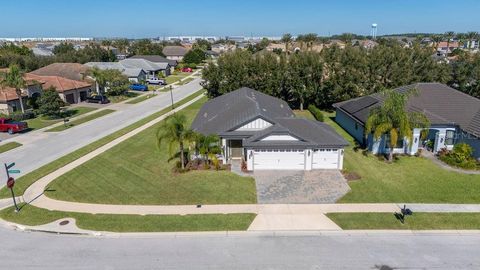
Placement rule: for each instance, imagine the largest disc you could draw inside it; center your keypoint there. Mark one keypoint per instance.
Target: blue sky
(148, 18)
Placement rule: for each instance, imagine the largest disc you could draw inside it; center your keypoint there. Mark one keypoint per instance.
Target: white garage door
(279, 160)
(325, 159)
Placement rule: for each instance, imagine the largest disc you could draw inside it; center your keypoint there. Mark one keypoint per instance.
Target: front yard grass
(25, 181)
(136, 172)
(417, 221)
(176, 77)
(409, 179)
(81, 120)
(9, 146)
(41, 122)
(33, 216)
(187, 80)
(120, 98)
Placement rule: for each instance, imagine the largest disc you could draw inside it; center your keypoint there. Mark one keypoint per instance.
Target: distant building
(175, 52)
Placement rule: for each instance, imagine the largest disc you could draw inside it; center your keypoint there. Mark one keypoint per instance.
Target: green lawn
(304, 114)
(409, 179)
(25, 181)
(81, 120)
(418, 221)
(140, 99)
(9, 146)
(187, 80)
(136, 172)
(41, 122)
(176, 77)
(32, 216)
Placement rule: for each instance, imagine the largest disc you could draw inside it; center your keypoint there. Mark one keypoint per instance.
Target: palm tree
(449, 36)
(310, 39)
(436, 40)
(471, 36)
(391, 118)
(14, 79)
(207, 146)
(287, 39)
(174, 132)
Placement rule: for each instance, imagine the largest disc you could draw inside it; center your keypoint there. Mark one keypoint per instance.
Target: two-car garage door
(295, 159)
(279, 160)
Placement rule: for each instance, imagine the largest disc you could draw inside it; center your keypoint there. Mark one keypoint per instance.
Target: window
(449, 137)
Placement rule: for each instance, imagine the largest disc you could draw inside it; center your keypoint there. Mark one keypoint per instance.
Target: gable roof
(440, 103)
(72, 71)
(61, 84)
(156, 59)
(309, 133)
(227, 112)
(143, 64)
(129, 72)
(174, 51)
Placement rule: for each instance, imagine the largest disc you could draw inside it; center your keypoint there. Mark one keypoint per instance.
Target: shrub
(317, 113)
(460, 156)
(50, 103)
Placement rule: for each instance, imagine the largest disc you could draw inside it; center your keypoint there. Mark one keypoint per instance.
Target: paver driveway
(316, 186)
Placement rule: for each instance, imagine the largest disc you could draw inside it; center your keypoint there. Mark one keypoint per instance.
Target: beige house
(175, 52)
(70, 91)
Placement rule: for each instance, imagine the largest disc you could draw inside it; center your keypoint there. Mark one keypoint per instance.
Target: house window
(398, 145)
(449, 137)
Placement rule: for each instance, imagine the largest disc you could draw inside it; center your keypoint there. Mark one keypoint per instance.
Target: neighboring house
(454, 118)
(276, 46)
(134, 75)
(444, 49)
(368, 44)
(157, 59)
(222, 48)
(9, 101)
(152, 69)
(70, 91)
(72, 71)
(40, 51)
(174, 52)
(211, 54)
(263, 131)
(472, 44)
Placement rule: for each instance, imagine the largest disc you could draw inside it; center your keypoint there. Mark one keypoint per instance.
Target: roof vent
(205, 115)
(263, 109)
(281, 105)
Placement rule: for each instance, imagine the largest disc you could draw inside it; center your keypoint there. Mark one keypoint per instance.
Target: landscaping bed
(33, 216)
(137, 172)
(417, 221)
(408, 179)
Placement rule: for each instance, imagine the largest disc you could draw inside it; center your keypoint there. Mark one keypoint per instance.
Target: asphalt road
(41, 148)
(20, 250)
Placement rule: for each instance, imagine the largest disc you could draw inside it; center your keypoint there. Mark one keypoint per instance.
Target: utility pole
(171, 97)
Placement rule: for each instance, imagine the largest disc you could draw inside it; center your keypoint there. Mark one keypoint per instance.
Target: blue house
(454, 118)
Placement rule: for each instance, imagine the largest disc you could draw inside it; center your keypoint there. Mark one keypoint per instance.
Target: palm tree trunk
(19, 93)
(182, 155)
(390, 155)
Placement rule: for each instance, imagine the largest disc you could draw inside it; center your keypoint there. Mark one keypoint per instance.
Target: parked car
(187, 69)
(138, 87)
(98, 99)
(10, 126)
(156, 81)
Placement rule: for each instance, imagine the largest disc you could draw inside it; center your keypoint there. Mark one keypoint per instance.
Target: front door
(236, 149)
(70, 98)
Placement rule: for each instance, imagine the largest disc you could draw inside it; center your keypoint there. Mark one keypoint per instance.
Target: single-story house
(447, 47)
(174, 52)
(454, 118)
(263, 131)
(134, 75)
(9, 99)
(72, 71)
(152, 69)
(70, 91)
(157, 59)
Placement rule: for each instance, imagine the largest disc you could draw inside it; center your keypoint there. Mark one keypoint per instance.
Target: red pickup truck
(10, 126)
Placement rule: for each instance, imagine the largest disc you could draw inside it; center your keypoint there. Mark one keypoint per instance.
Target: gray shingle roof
(227, 112)
(440, 103)
(143, 64)
(309, 133)
(156, 59)
(224, 114)
(174, 51)
(129, 72)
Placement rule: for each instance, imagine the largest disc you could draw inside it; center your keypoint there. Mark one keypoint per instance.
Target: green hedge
(317, 113)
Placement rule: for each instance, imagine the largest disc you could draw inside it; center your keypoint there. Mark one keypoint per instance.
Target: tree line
(332, 75)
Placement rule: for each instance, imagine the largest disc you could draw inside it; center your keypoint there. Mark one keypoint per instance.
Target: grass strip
(417, 221)
(25, 181)
(9, 146)
(33, 216)
(40, 122)
(140, 99)
(81, 120)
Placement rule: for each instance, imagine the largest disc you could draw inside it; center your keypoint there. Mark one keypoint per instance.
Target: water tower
(373, 32)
